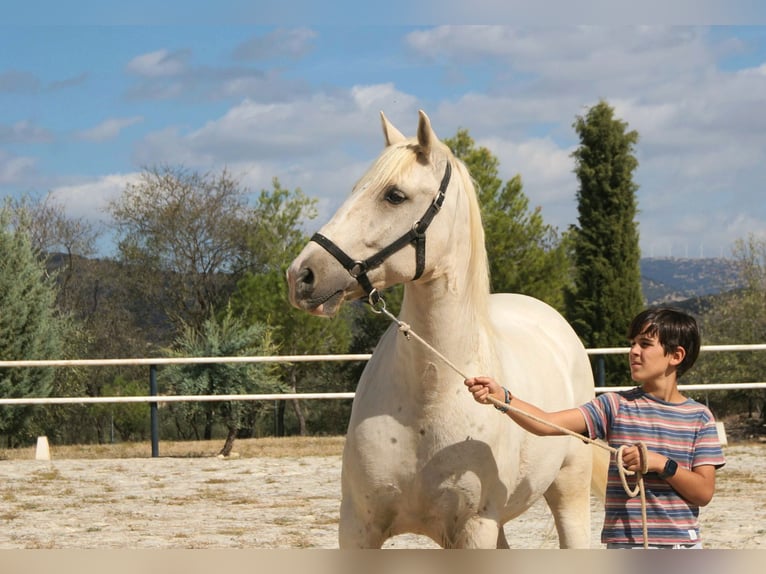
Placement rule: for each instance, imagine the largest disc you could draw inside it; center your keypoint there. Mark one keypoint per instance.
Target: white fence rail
(154, 398)
(160, 361)
(298, 396)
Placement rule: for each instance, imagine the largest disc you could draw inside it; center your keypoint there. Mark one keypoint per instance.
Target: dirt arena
(268, 502)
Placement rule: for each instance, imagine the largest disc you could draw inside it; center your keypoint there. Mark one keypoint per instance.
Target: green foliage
(127, 421)
(368, 326)
(262, 297)
(607, 283)
(94, 423)
(737, 318)
(525, 254)
(30, 328)
(94, 295)
(228, 336)
(276, 234)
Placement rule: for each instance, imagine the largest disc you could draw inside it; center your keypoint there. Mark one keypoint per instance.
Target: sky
(89, 99)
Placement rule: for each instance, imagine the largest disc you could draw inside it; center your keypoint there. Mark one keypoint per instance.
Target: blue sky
(84, 107)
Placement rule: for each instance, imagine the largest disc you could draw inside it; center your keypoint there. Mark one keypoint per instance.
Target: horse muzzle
(322, 298)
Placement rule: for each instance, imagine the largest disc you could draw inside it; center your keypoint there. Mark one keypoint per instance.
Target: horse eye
(395, 196)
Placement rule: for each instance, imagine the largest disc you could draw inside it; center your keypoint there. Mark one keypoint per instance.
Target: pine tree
(227, 336)
(607, 284)
(29, 327)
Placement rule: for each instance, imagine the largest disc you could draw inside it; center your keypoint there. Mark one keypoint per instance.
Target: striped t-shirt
(683, 431)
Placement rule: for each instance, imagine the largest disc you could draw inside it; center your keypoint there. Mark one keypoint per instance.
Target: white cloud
(24, 131)
(520, 12)
(566, 53)
(701, 125)
(290, 42)
(89, 198)
(702, 128)
(373, 98)
(15, 169)
(543, 165)
(109, 129)
(758, 71)
(683, 117)
(546, 171)
(159, 63)
(307, 129)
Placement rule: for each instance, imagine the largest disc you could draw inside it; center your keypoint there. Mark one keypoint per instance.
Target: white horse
(421, 456)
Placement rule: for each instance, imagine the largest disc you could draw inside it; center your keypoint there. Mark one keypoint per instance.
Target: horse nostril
(306, 277)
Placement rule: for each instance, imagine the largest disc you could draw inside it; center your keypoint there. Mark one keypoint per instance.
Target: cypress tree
(607, 285)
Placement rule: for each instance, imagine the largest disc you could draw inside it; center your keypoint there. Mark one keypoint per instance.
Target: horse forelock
(390, 166)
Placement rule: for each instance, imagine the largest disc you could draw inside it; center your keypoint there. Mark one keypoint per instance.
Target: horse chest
(426, 466)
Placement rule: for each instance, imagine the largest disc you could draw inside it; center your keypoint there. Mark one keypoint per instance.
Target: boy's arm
(696, 485)
(570, 419)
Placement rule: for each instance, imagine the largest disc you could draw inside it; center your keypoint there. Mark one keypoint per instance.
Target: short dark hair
(673, 328)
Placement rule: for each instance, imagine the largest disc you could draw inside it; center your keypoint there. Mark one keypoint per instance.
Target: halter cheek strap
(415, 236)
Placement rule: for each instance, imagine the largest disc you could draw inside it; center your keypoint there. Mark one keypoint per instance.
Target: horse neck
(448, 316)
(449, 310)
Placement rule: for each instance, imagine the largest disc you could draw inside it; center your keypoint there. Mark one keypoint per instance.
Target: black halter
(416, 236)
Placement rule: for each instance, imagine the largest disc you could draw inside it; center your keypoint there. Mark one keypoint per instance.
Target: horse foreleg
(569, 500)
(502, 541)
(356, 533)
(480, 532)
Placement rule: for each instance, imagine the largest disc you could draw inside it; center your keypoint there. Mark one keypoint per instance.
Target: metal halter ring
(359, 268)
(377, 303)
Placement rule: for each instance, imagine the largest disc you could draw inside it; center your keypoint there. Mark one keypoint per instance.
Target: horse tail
(600, 469)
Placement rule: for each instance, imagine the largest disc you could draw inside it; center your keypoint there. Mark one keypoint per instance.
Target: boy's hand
(631, 459)
(483, 387)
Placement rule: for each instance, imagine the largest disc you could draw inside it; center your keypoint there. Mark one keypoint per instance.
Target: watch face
(670, 469)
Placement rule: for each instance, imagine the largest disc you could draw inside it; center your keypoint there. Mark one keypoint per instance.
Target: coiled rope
(379, 306)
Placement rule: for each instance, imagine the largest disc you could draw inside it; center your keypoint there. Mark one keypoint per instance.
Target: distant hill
(663, 279)
(672, 279)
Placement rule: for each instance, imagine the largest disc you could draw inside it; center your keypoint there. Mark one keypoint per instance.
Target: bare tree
(184, 237)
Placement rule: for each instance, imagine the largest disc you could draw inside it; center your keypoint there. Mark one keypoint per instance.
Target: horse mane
(394, 163)
(478, 265)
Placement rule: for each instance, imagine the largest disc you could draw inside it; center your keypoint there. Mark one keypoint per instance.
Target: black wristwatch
(670, 469)
(507, 400)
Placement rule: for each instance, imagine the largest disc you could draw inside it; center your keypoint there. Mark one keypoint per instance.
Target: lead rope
(379, 306)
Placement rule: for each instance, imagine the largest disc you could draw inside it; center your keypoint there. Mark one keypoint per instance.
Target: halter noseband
(416, 236)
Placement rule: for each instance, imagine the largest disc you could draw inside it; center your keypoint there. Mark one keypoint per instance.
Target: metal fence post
(153, 410)
(601, 378)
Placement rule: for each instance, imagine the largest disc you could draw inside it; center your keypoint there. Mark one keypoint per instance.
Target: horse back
(541, 351)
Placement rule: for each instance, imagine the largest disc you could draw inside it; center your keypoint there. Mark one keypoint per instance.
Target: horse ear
(426, 135)
(392, 135)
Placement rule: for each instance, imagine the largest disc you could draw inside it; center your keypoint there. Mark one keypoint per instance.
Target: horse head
(378, 237)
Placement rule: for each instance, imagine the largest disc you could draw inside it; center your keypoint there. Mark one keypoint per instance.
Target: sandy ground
(265, 503)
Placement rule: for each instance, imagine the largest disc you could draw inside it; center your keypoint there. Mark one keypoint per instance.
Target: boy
(679, 434)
